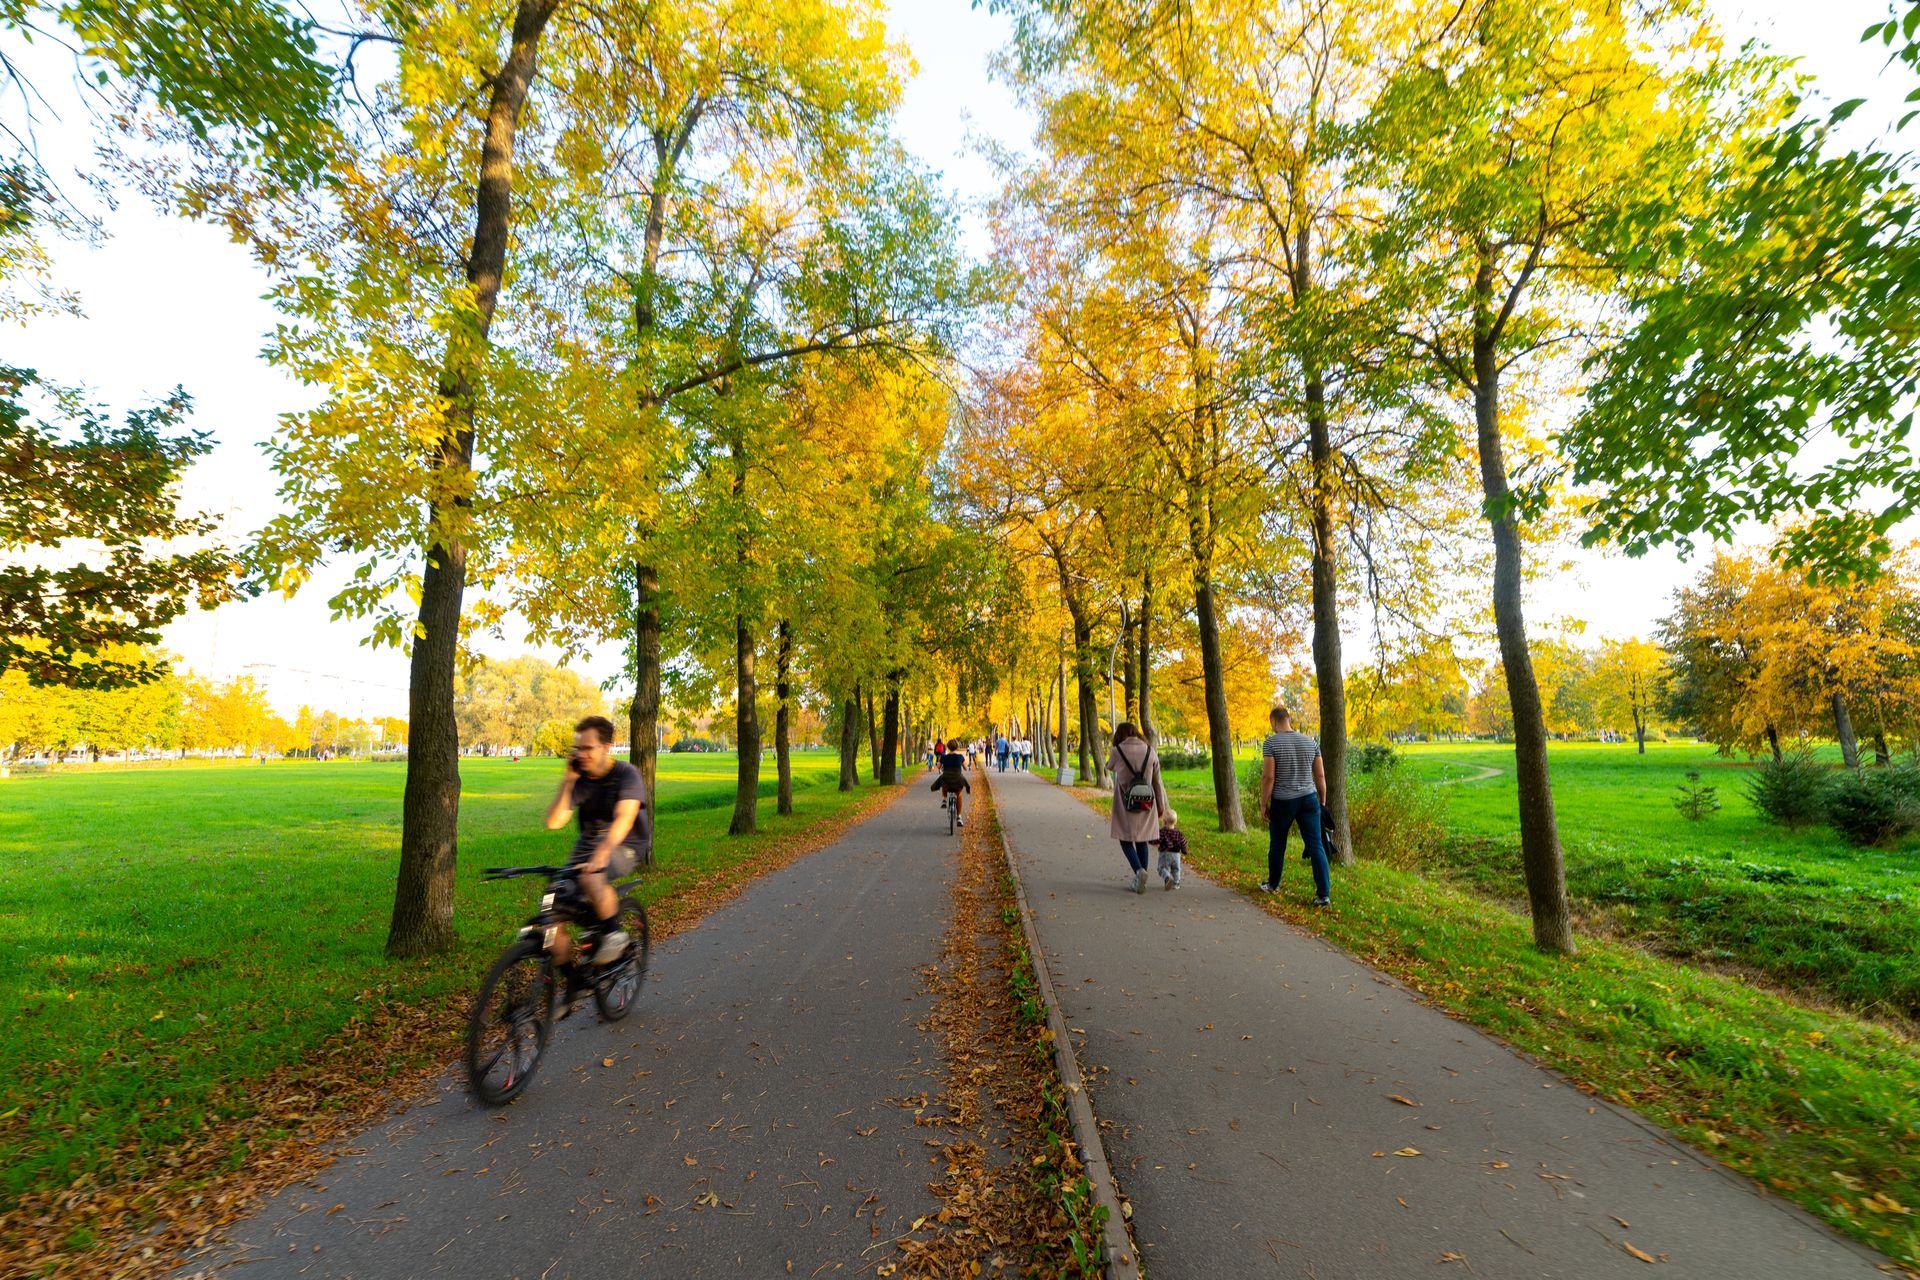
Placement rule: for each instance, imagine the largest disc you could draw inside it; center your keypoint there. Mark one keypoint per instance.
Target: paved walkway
(748, 1124)
(1251, 1075)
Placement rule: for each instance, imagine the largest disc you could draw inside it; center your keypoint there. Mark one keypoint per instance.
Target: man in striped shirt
(1293, 787)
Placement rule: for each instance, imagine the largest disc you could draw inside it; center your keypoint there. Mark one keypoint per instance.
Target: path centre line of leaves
(1014, 1195)
(142, 1227)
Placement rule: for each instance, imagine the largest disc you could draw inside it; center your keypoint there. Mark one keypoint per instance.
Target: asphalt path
(1272, 1107)
(758, 1118)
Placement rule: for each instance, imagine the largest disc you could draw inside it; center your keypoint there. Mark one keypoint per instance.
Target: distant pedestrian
(1139, 799)
(1026, 752)
(1001, 749)
(1293, 790)
(1173, 846)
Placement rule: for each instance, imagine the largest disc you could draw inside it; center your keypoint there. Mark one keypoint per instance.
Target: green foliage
(1370, 757)
(1782, 312)
(82, 479)
(1873, 806)
(1696, 800)
(1397, 817)
(246, 72)
(1182, 758)
(1789, 791)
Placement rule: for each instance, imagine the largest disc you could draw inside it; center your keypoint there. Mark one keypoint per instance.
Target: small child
(1171, 845)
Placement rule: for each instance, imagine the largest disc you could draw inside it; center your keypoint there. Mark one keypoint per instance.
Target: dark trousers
(1305, 811)
(1136, 851)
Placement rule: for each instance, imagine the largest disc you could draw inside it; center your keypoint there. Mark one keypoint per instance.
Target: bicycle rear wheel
(618, 986)
(512, 1018)
(952, 813)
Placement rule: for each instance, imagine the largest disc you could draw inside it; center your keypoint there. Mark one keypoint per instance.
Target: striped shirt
(1293, 754)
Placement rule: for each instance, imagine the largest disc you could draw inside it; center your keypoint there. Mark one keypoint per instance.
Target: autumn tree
(1629, 678)
(1512, 140)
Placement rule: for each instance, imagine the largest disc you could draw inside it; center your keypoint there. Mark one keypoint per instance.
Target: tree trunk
(643, 714)
(1773, 741)
(850, 743)
(1126, 675)
(1882, 753)
(1226, 783)
(890, 745)
(430, 810)
(1330, 676)
(1146, 657)
(746, 722)
(1640, 730)
(1843, 729)
(873, 740)
(783, 720)
(1540, 854)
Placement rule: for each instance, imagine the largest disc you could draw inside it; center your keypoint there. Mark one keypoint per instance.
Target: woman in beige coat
(1135, 762)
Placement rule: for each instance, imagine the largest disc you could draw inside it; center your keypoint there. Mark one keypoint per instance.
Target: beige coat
(1132, 761)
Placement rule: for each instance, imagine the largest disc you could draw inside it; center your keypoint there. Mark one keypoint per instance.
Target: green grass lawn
(170, 936)
(1802, 910)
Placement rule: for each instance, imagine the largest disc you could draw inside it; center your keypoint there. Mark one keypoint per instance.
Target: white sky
(169, 302)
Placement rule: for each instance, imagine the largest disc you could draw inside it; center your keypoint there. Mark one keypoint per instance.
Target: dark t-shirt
(594, 800)
(953, 767)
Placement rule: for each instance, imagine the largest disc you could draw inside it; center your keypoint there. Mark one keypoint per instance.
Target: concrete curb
(1123, 1259)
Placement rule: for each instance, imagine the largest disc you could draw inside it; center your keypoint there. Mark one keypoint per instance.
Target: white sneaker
(1269, 888)
(610, 947)
(959, 822)
(1140, 880)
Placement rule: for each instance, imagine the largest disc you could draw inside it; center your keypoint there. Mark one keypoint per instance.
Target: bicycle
(513, 1012)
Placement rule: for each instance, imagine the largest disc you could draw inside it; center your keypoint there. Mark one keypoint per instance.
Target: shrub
(1696, 799)
(1396, 818)
(1250, 797)
(1789, 791)
(693, 744)
(1371, 757)
(1873, 806)
(1181, 758)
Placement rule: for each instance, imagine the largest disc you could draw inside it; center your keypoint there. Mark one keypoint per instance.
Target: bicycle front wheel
(512, 1018)
(615, 990)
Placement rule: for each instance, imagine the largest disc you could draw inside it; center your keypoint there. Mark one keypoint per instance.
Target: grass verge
(1029, 1208)
(1822, 1107)
(252, 926)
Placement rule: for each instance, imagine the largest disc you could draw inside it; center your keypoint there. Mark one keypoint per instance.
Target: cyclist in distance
(953, 779)
(615, 828)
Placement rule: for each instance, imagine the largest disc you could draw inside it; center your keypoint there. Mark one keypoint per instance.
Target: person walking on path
(1139, 799)
(1000, 748)
(1293, 788)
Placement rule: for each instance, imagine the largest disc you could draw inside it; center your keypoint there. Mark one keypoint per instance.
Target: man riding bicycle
(953, 781)
(615, 829)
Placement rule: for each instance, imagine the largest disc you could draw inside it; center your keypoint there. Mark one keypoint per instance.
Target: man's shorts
(620, 862)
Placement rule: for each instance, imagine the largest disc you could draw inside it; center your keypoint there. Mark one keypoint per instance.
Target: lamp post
(1066, 776)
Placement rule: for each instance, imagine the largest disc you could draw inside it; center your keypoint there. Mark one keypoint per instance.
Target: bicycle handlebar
(508, 873)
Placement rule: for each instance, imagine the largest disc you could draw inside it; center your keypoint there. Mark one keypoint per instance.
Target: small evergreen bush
(1696, 800)
(1172, 758)
(1789, 791)
(1873, 806)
